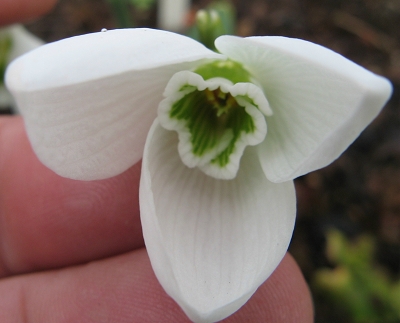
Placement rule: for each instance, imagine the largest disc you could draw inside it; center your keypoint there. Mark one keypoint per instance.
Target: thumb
(12, 11)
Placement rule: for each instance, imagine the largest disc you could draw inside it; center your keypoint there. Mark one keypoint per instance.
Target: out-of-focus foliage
(227, 14)
(122, 10)
(217, 19)
(142, 4)
(5, 48)
(355, 285)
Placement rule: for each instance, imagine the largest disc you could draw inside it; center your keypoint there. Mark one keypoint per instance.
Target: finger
(124, 289)
(47, 221)
(21, 10)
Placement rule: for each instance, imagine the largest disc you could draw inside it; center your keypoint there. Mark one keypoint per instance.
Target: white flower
(21, 41)
(90, 105)
(172, 14)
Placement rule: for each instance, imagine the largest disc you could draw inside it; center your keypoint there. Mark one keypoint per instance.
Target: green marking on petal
(239, 121)
(207, 115)
(228, 69)
(215, 112)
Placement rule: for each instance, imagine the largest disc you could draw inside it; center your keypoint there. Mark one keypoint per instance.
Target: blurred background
(347, 236)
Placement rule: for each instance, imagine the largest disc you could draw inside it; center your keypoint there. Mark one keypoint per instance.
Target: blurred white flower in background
(172, 14)
(15, 40)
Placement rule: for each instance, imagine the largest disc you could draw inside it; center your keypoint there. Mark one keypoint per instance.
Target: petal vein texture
(88, 101)
(320, 100)
(211, 242)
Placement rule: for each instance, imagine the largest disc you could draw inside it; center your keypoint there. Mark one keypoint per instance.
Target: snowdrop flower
(15, 40)
(222, 136)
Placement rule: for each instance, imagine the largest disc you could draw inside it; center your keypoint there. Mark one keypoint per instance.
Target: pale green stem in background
(143, 4)
(219, 18)
(121, 12)
(227, 13)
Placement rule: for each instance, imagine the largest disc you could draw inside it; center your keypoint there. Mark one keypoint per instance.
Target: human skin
(12, 11)
(73, 251)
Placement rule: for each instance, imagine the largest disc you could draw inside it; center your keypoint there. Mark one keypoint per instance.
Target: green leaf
(356, 284)
(5, 48)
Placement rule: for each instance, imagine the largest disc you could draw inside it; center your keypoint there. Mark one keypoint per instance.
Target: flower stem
(216, 20)
(121, 12)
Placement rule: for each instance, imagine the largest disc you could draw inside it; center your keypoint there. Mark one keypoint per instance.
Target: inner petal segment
(215, 119)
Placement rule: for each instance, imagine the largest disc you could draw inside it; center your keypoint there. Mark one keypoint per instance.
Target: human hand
(72, 251)
(12, 11)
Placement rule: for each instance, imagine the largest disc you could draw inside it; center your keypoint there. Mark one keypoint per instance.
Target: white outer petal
(211, 242)
(88, 101)
(320, 100)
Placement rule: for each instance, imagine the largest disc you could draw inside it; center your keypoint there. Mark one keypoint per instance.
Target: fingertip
(284, 297)
(125, 288)
(47, 221)
(12, 11)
